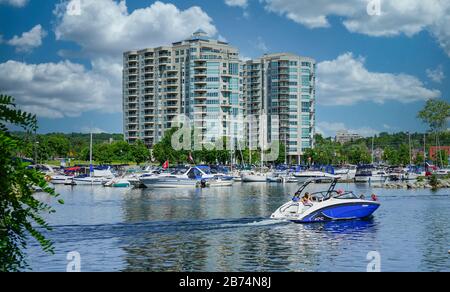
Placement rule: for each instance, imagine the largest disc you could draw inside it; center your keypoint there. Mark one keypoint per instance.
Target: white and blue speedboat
(327, 205)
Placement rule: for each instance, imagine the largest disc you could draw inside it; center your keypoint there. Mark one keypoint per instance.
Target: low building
(436, 149)
(345, 136)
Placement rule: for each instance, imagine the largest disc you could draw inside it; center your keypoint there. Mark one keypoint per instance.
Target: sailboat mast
(373, 139)
(410, 157)
(262, 143)
(424, 151)
(90, 156)
(250, 143)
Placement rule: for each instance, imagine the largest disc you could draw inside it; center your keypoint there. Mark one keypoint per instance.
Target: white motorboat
(442, 171)
(60, 179)
(96, 177)
(192, 178)
(347, 172)
(323, 206)
(118, 183)
(89, 180)
(274, 179)
(219, 183)
(316, 175)
(371, 176)
(253, 176)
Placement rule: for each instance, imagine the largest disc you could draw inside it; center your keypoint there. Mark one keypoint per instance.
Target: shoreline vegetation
(392, 149)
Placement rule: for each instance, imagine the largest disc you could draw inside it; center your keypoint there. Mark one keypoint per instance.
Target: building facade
(199, 77)
(345, 136)
(204, 79)
(281, 87)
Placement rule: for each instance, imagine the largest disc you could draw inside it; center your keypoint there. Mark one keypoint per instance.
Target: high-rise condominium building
(282, 88)
(199, 77)
(204, 79)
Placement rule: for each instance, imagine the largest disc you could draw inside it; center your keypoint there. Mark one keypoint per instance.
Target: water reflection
(226, 229)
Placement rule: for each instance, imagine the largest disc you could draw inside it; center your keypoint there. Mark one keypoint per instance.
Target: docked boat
(253, 176)
(89, 180)
(330, 205)
(442, 171)
(316, 175)
(274, 179)
(370, 175)
(118, 183)
(347, 172)
(220, 183)
(60, 179)
(192, 178)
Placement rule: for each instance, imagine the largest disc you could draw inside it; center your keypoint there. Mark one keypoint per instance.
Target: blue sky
(374, 72)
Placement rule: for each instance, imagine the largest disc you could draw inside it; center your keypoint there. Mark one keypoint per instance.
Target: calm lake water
(227, 229)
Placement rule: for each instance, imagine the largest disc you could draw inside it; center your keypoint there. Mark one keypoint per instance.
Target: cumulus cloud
(93, 130)
(436, 75)
(346, 81)
(237, 3)
(28, 40)
(15, 3)
(329, 129)
(396, 17)
(105, 27)
(56, 90)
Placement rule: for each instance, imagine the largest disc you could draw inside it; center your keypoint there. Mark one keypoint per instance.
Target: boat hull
(350, 211)
(158, 182)
(330, 210)
(254, 178)
(370, 179)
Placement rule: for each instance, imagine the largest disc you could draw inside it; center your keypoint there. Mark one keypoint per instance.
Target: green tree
(140, 152)
(435, 114)
(20, 212)
(102, 153)
(163, 150)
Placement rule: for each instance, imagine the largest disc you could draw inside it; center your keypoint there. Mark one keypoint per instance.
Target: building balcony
(200, 97)
(172, 77)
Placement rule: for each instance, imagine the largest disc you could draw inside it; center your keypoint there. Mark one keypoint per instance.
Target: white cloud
(237, 3)
(345, 81)
(56, 90)
(329, 129)
(436, 75)
(105, 27)
(93, 130)
(407, 17)
(15, 3)
(28, 40)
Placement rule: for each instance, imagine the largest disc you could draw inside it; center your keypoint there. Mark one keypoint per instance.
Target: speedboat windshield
(346, 196)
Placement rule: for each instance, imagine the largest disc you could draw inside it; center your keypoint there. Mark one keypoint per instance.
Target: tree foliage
(20, 212)
(435, 113)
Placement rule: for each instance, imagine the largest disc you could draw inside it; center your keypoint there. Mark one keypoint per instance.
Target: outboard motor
(203, 183)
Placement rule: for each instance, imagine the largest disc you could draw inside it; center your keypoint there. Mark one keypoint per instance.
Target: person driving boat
(306, 200)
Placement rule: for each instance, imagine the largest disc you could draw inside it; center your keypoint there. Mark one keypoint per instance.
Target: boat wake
(104, 231)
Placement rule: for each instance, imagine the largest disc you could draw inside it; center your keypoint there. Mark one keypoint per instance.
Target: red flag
(166, 164)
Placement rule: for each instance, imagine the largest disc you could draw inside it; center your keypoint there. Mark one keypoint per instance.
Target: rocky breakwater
(419, 184)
